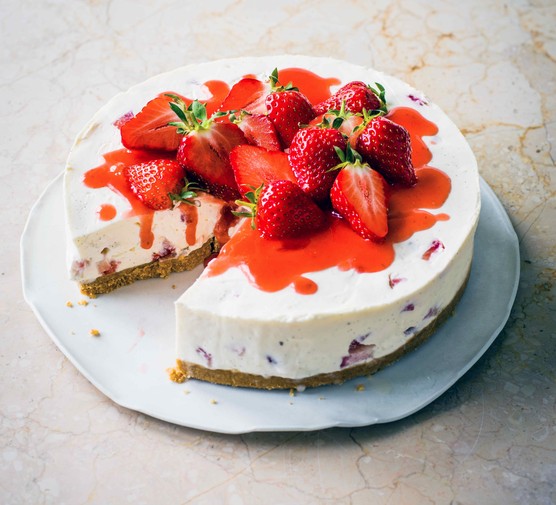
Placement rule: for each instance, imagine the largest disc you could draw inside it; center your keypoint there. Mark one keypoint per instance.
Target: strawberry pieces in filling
(247, 94)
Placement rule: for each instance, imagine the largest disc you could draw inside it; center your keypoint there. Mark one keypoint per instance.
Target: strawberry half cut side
(247, 94)
(204, 151)
(359, 196)
(254, 166)
(150, 128)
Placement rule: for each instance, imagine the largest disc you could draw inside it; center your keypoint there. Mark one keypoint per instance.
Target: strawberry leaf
(187, 194)
(178, 111)
(380, 93)
(275, 83)
(199, 112)
(348, 157)
(249, 205)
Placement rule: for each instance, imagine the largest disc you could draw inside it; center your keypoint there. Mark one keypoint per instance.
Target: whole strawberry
(154, 181)
(288, 109)
(312, 154)
(356, 96)
(280, 210)
(386, 146)
(359, 196)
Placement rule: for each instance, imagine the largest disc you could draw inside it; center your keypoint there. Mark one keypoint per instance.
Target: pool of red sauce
(272, 265)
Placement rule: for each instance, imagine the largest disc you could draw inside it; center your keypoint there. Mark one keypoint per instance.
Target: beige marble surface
(491, 439)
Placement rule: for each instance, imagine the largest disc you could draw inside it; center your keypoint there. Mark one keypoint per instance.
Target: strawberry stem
(380, 93)
(252, 197)
(275, 84)
(192, 117)
(187, 194)
(339, 117)
(348, 157)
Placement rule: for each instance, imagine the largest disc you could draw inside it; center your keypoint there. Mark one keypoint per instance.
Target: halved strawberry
(288, 109)
(150, 129)
(259, 131)
(205, 148)
(282, 211)
(312, 154)
(359, 196)
(154, 181)
(254, 166)
(247, 94)
(386, 146)
(355, 96)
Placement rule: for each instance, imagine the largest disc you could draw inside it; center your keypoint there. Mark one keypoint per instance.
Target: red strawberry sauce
(106, 212)
(314, 87)
(272, 265)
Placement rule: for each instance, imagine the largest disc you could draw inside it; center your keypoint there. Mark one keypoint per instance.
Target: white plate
(128, 361)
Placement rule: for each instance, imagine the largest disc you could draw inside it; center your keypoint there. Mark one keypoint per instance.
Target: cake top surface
(337, 289)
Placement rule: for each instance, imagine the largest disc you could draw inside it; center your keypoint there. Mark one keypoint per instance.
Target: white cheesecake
(287, 322)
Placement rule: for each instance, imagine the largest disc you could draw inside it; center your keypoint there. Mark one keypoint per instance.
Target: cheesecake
(271, 311)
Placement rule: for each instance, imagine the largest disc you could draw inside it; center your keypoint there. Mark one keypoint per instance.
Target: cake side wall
(301, 349)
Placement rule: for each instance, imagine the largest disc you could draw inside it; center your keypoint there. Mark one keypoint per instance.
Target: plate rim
(486, 192)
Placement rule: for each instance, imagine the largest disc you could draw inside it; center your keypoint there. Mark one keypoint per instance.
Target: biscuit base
(161, 268)
(186, 370)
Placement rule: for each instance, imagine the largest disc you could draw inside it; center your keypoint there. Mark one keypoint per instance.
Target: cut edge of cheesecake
(162, 268)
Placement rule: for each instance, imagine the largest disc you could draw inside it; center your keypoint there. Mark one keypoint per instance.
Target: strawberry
(355, 96)
(386, 146)
(205, 148)
(258, 130)
(281, 210)
(288, 109)
(312, 154)
(359, 196)
(347, 123)
(254, 166)
(150, 128)
(154, 181)
(247, 94)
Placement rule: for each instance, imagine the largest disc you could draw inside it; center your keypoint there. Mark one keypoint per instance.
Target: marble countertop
(490, 439)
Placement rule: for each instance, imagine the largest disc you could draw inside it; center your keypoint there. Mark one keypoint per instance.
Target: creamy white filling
(116, 246)
(224, 322)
